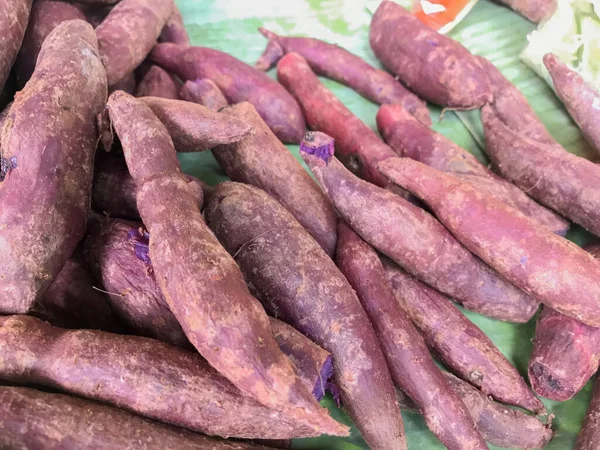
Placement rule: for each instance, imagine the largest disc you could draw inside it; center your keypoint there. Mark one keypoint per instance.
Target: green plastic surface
(489, 30)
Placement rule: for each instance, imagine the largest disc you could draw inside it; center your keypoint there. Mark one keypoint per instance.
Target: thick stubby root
(263, 161)
(413, 238)
(434, 66)
(554, 270)
(49, 137)
(296, 280)
(239, 82)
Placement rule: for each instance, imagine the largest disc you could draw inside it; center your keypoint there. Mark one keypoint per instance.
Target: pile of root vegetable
(143, 309)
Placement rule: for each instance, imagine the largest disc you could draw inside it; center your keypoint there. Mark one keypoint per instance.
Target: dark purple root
(318, 144)
(141, 243)
(6, 165)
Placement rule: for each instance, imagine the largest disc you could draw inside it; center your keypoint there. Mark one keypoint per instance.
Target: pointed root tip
(318, 144)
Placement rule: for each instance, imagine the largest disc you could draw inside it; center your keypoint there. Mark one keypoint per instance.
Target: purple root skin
(542, 264)
(413, 140)
(318, 144)
(560, 180)
(273, 53)
(589, 435)
(580, 98)
(141, 244)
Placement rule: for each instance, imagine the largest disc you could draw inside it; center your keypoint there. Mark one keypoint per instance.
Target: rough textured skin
(415, 240)
(51, 134)
(296, 280)
(556, 271)
(14, 15)
(132, 288)
(512, 107)
(202, 284)
(239, 82)
(263, 161)
(500, 425)
(194, 127)
(458, 343)
(114, 191)
(72, 302)
(358, 146)
(534, 10)
(332, 61)
(137, 299)
(104, 3)
(128, 33)
(32, 419)
(204, 92)
(580, 97)
(589, 436)
(413, 140)
(157, 82)
(142, 375)
(412, 368)
(174, 30)
(556, 178)
(45, 16)
(432, 65)
(566, 353)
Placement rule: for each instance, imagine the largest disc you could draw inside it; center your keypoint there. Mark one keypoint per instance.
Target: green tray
(489, 30)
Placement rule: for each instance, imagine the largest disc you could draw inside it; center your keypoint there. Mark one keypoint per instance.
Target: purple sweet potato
(359, 147)
(202, 284)
(580, 97)
(434, 66)
(268, 59)
(413, 238)
(533, 10)
(174, 30)
(547, 172)
(589, 436)
(157, 82)
(512, 107)
(142, 375)
(239, 82)
(114, 191)
(556, 271)
(34, 419)
(117, 252)
(263, 161)
(411, 365)
(498, 424)
(102, 3)
(45, 16)
(118, 257)
(296, 281)
(458, 343)
(194, 127)
(204, 92)
(566, 353)
(14, 15)
(49, 140)
(332, 61)
(72, 302)
(413, 140)
(128, 33)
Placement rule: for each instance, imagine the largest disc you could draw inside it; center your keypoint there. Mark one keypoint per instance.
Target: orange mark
(438, 13)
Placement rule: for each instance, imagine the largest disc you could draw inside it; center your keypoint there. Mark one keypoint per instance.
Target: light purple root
(141, 244)
(314, 144)
(323, 384)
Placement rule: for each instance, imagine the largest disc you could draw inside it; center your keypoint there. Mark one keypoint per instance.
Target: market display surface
(186, 265)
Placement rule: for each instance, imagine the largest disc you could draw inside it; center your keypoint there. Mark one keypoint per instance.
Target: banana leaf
(489, 30)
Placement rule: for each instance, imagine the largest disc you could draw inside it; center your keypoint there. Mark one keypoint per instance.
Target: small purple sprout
(318, 144)
(6, 165)
(141, 244)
